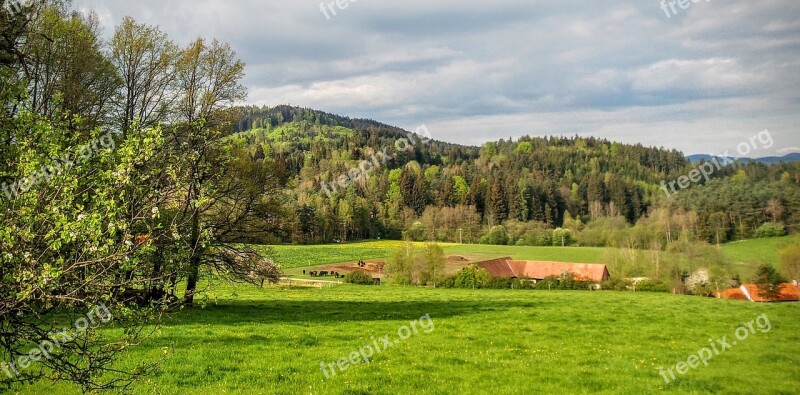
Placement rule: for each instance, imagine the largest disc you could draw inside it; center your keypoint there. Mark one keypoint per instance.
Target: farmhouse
(538, 270)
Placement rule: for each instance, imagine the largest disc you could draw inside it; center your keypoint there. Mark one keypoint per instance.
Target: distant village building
(539, 270)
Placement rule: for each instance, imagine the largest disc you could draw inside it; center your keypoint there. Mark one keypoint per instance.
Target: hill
(769, 160)
(354, 179)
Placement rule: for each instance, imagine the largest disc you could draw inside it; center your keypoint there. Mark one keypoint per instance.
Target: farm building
(538, 270)
(788, 293)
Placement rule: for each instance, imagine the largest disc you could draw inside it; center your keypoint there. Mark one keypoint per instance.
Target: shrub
(770, 229)
(471, 277)
(652, 286)
(498, 283)
(615, 284)
(562, 237)
(448, 282)
(359, 277)
(564, 282)
(496, 236)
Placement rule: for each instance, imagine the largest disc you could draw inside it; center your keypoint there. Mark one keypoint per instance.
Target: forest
(528, 191)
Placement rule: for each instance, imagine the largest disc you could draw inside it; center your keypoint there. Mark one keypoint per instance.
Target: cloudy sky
(702, 80)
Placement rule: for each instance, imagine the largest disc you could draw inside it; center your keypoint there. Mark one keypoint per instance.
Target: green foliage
(430, 266)
(566, 281)
(790, 261)
(496, 236)
(400, 267)
(562, 237)
(768, 281)
(471, 277)
(359, 277)
(770, 229)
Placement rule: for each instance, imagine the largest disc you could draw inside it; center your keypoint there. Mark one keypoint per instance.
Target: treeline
(531, 191)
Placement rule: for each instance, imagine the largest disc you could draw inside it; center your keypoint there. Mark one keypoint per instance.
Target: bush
(359, 277)
(496, 236)
(566, 281)
(770, 229)
(471, 277)
(448, 282)
(615, 284)
(652, 286)
(498, 283)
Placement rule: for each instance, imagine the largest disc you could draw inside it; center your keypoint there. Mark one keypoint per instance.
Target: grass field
(246, 340)
(272, 341)
(758, 251)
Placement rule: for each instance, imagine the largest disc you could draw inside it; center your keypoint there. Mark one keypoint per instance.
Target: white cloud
(486, 70)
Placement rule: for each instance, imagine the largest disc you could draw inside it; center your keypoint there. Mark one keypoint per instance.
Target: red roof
(507, 267)
(789, 292)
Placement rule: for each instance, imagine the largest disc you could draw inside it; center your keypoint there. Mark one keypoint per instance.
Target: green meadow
(247, 340)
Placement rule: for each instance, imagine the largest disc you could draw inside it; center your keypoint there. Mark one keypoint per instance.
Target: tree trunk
(194, 261)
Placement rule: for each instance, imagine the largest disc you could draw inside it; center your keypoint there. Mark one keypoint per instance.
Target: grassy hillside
(295, 256)
(272, 341)
(557, 254)
(757, 251)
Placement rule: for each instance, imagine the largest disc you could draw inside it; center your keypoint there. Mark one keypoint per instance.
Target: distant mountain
(769, 160)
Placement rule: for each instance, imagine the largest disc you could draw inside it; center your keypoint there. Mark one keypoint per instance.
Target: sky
(702, 80)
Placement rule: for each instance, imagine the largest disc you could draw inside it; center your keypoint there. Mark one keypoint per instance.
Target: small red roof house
(539, 270)
(789, 293)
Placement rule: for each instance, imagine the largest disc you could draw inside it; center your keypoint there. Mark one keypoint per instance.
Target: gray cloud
(700, 81)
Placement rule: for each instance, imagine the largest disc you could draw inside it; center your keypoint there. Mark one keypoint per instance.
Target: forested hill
(531, 179)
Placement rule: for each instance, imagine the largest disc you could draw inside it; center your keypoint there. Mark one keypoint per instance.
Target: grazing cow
(323, 273)
(314, 274)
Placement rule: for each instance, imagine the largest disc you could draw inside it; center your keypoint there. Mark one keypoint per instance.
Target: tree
(60, 260)
(460, 190)
(431, 265)
(769, 282)
(471, 277)
(790, 262)
(146, 60)
(562, 237)
(400, 266)
(496, 204)
(208, 81)
(67, 71)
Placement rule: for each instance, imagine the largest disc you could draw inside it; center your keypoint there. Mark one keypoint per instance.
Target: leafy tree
(208, 81)
(400, 267)
(431, 265)
(471, 277)
(562, 237)
(790, 261)
(769, 281)
(146, 60)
